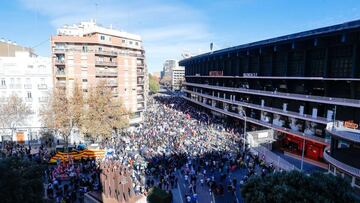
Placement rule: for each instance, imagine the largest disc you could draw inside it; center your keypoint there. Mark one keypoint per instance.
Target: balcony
(140, 82)
(140, 91)
(140, 73)
(60, 84)
(292, 114)
(27, 99)
(3, 87)
(42, 86)
(4, 99)
(60, 74)
(112, 84)
(15, 86)
(261, 123)
(301, 97)
(343, 166)
(106, 53)
(27, 86)
(43, 99)
(59, 62)
(339, 130)
(105, 63)
(106, 73)
(59, 50)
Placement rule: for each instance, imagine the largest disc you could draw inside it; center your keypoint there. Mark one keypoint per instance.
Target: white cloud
(167, 27)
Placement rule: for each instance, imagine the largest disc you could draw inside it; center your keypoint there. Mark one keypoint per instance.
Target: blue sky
(170, 27)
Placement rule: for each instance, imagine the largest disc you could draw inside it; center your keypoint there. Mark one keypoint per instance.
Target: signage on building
(249, 74)
(351, 124)
(216, 73)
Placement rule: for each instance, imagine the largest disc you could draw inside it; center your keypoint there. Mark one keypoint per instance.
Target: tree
(166, 80)
(104, 113)
(14, 113)
(297, 187)
(64, 113)
(20, 181)
(154, 85)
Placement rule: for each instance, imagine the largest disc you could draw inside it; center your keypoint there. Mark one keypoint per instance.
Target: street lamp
(244, 115)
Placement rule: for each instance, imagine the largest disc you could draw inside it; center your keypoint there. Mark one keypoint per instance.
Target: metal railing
(42, 86)
(59, 61)
(302, 97)
(27, 86)
(349, 169)
(60, 73)
(43, 99)
(262, 123)
(318, 119)
(339, 130)
(107, 73)
(109, 53)
(105, 63)
(276, 160)
(3, 86)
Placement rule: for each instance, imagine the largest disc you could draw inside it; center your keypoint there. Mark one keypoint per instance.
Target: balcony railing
(140, 73)
(3, 87)
(106, 73)
(318, 119)
(27, 86)
(15, 86)
(27, 99)
(60, 61)
(301, 97)
(4, 99)
(105, 63)
(42, 86)
(60, 74)
(112, 84)
(107, 53)
(43, 99)
(262, 123)
(140, 82)
(140, 91)
(347, 168)
(61, 84)
(341, 131)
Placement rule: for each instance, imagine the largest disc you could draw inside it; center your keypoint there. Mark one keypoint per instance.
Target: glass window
(84, 80)
(102, 37)
(29, 95)
(3, 83)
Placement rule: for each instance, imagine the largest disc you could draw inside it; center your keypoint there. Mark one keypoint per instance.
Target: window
(85, 90)
(102, 37)
(29, 95)
(109, 39)
(84, 80)
(30, 66)
(84, 48)
(130, 42)
(123, 41)
(3, 83)
(100, 49)
(136, 43)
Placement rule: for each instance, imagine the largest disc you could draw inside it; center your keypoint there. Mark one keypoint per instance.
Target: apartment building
(177, 77)
(305, 86)
(86, 53)
(28, 76)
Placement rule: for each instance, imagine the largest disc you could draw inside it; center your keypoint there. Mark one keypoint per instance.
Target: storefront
(295, 145)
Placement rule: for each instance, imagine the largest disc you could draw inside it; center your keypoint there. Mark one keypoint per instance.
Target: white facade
(177, 77)
(30, 78)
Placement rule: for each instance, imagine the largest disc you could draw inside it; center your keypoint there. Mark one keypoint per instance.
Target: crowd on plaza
(177, 141)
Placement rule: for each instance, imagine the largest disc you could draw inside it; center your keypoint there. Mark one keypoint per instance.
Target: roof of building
(90, 27)
(300, 35)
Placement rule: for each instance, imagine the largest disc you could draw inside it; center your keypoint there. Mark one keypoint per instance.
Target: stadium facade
(305, 86)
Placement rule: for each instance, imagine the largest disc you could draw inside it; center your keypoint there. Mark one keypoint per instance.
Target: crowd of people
(175, 142)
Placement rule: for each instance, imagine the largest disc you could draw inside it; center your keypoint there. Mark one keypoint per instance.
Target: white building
(30, 78)
(177, 77)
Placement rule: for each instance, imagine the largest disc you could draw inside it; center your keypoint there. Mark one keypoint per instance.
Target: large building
(305, 86)
(28, 76)
(86, 53)
(168, 66)
(177, 77)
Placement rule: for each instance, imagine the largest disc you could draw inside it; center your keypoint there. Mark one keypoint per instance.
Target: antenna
(96, 11)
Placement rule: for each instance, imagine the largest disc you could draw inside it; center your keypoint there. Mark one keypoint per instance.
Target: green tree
(297, 187)
(154, 85)
(20, 181)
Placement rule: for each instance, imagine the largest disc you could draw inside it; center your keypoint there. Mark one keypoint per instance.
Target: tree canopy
(14, 112)
(154, 85)
(20, 181)
(297, 187)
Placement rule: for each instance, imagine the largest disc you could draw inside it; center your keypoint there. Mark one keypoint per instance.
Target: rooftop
(286, 38)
